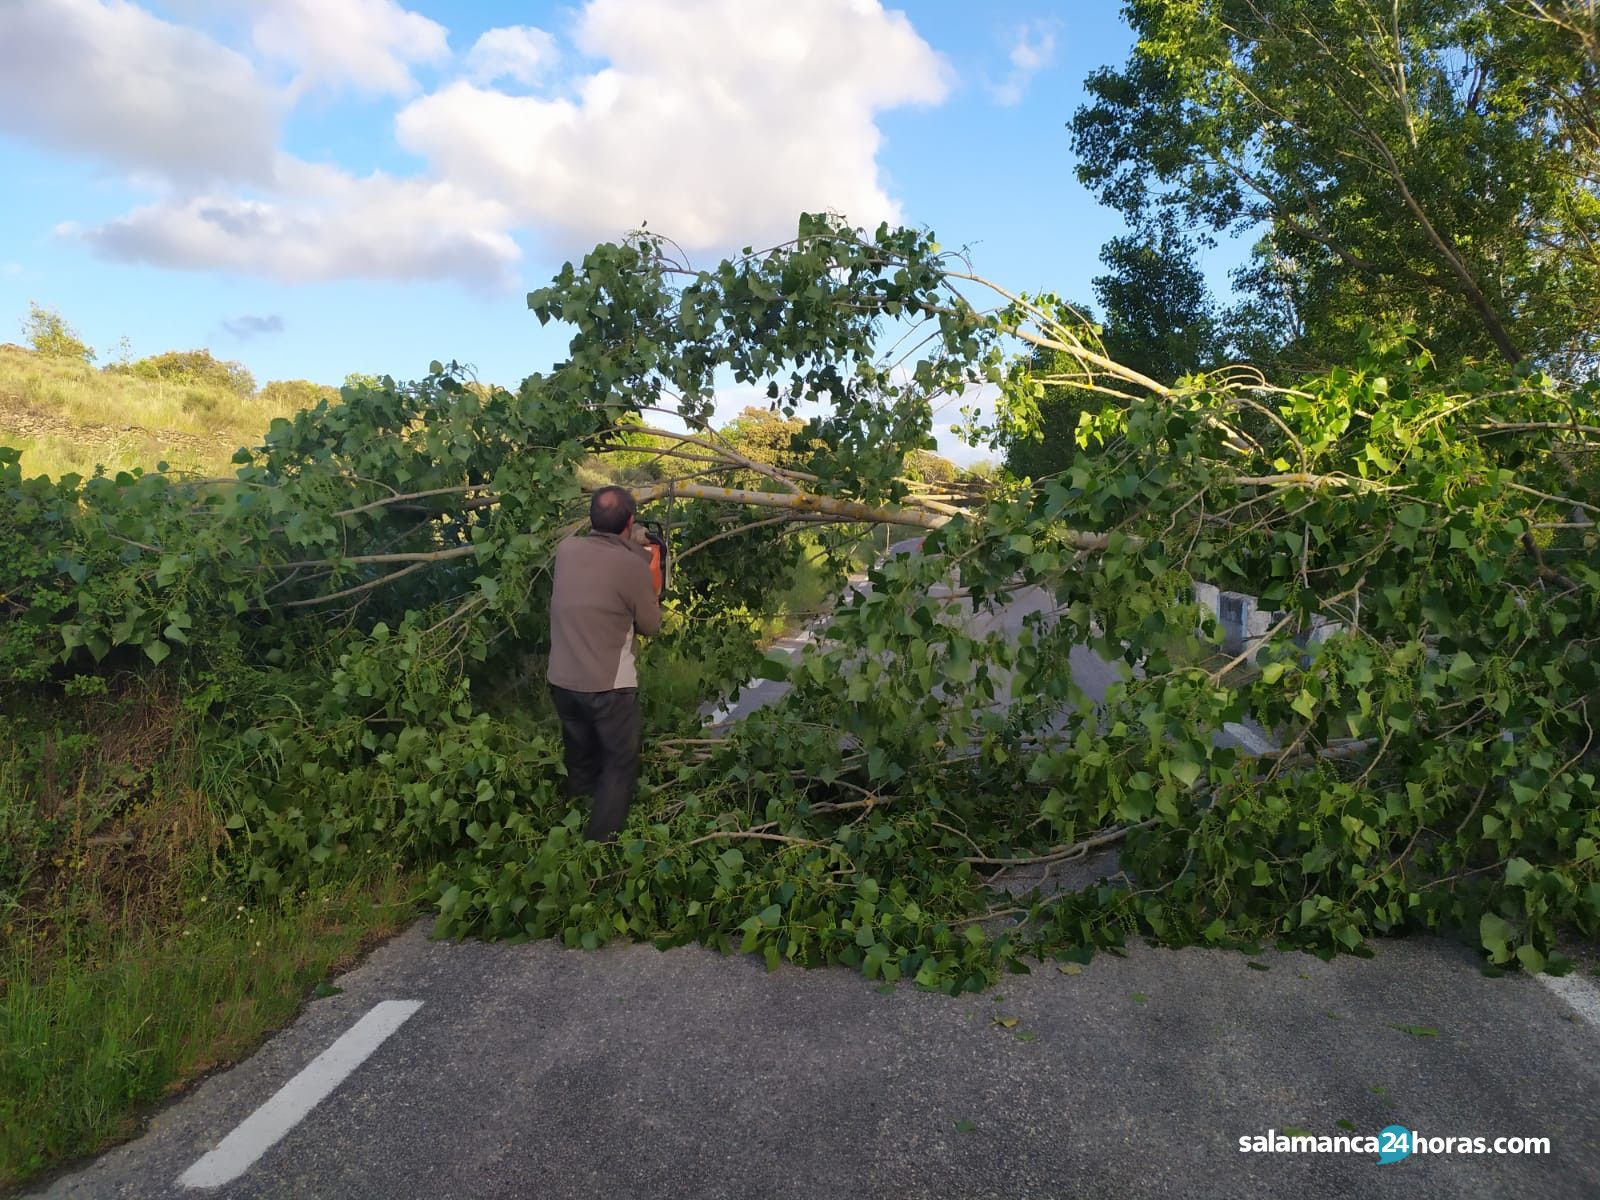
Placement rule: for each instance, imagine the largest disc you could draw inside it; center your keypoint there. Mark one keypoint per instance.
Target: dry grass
(67, 416)
(81, 453)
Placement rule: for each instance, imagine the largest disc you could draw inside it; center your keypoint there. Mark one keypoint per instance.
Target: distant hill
(65, 415)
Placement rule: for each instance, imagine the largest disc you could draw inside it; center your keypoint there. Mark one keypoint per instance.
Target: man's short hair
(610, 508)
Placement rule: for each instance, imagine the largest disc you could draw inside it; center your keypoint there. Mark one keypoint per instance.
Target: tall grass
(86, 1042)
(131, 958)
(82, 394)
(56, 455)
(127, 420)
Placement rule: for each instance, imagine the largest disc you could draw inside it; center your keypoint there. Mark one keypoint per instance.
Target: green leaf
(1495, 935)
(774, 665)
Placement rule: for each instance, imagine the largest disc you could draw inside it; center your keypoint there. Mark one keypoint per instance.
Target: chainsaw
(655, 540)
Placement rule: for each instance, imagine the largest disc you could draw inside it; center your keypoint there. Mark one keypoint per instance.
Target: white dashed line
(1580, 996)
(258, 1132)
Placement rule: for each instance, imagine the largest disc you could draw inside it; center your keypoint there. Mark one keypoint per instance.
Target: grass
(68, 416)
(55, 454)
(131, 961)
(105, 1030)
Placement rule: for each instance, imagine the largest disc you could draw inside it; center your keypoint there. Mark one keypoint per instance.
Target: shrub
(293, 395)
(196, 366)
(48, 332)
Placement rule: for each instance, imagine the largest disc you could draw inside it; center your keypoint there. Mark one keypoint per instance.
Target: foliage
(1039, 424)
(129, 962)
(931, 468)
(48, 333)
(1159, 321)
(290, 395)
(194, 366)
(343, 610)
(767, 437)
(1159, 316)
(1416, 163)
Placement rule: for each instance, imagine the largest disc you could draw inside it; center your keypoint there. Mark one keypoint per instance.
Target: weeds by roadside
(103, 1028)
(132, 959)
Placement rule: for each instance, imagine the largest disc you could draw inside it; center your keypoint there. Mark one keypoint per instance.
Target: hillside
(65, 415)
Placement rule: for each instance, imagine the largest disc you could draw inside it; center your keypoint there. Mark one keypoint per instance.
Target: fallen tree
(343, 607)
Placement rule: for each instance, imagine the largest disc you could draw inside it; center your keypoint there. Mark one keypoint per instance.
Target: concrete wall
(1245, 624)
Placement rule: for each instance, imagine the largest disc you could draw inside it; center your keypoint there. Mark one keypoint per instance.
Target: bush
(195, 366)
(48, 332)
(293, 395)
(931, 468)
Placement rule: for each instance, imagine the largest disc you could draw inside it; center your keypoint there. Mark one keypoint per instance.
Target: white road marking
(1580, 996)
(258, 1132)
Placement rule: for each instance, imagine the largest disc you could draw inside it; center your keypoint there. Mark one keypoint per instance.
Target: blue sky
(315, 187)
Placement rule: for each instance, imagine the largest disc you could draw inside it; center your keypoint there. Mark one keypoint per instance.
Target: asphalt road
(536, 1071)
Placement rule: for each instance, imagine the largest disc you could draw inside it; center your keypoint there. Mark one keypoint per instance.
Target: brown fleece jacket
(602, 594)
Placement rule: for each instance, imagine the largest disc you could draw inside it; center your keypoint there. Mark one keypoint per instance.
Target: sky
(319, 187)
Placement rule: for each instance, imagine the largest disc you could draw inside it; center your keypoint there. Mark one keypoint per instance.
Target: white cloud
(370, 45)
(717, 121)
(520, 53)
(110, 80)
(1032, 49)
(321, 223)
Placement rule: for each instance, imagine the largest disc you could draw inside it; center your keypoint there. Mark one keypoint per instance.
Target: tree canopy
(1414, 162)
(1160, 320)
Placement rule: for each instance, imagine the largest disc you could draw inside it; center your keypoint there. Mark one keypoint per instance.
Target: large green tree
(1430, 162)
(1159, 320)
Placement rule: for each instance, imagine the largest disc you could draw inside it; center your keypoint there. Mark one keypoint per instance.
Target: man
(603, 594)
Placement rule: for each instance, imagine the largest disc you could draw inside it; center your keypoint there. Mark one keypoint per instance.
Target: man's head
(610, 509)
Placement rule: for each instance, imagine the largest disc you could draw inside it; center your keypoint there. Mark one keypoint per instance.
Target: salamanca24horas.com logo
(1391, 1144)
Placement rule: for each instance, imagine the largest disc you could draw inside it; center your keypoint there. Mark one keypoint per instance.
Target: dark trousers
(601, 732)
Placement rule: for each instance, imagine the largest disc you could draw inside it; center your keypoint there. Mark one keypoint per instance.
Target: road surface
(534, 1071)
